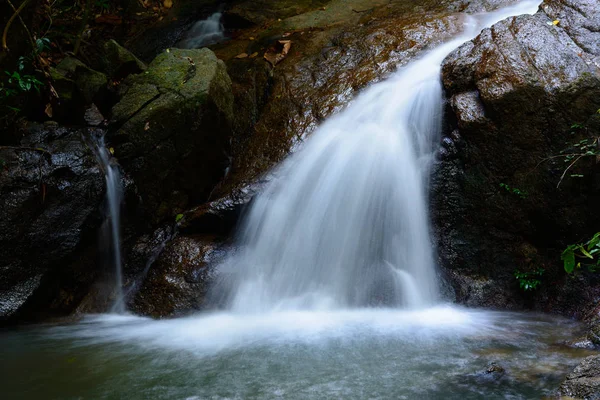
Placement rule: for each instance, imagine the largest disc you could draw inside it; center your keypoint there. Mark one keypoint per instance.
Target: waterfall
(204, 33)
(344, 223)
(112, 231)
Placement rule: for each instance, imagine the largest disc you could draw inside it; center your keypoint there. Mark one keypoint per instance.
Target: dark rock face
(514, 92)
(177, 281)
(174, 125)
(120, 62)
(584, 381)
(51, 190)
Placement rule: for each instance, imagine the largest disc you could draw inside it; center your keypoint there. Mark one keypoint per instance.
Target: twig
(86, 15)
(23, 24)
(9, 23)
(569, 167)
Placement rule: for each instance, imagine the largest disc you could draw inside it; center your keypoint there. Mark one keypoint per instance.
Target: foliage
(517, 192)
(587, 252)
(103, 4)
(529, 280)
(178, 217)
(586, 147)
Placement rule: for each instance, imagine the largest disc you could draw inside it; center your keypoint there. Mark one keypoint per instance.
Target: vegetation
(530, 280)
(582, 255)
(517, 192)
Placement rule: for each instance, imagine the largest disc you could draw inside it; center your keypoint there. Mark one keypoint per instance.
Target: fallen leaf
(251, 38)
(48, 110)
(286, 34)
(277, 53)
(242, 55)
(168, 3)
(555, 22)
(111, 150)
(254, 54)
(147, 126)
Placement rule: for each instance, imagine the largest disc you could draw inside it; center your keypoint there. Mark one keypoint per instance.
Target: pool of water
(438, 353)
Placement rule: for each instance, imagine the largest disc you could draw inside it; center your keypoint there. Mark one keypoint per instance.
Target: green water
(440, 353)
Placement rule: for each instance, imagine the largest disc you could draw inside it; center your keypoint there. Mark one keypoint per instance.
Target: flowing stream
(111, 237)
(204, 33)
(332, 294)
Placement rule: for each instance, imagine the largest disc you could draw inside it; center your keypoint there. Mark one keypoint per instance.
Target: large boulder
(51, 191)
(584, 381)
(173, 129)
(517, 94)
(120, 62)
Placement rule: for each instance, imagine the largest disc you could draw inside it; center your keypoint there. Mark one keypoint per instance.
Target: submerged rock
(173, 129)
(514, 93)
(584, 381)
(51, 190)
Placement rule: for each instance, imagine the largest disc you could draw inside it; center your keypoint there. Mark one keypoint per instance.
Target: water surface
(438, 353)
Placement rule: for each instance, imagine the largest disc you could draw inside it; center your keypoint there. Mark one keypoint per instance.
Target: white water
(204, 33)
(345, 224)
(112, 236)
(297, 329)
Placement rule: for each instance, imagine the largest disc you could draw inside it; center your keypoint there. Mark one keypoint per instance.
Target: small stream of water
(112, 230)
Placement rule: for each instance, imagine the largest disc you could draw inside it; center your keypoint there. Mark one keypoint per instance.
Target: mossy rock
(173, 127)
(89, 82)
(120, 62)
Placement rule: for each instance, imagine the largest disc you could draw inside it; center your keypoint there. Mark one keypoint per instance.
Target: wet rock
(514, 92)
(51, 191)
(584, 381)
(120, 62)
(177, 282)
(173, 129)
(263, 10)
(322, 72)
(495, 369)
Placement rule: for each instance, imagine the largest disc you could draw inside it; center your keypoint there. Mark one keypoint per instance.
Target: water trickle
(345, 222)
(112, 231)
(204, 33)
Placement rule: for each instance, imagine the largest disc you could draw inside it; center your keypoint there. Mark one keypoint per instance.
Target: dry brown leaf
(168, 3)
(147, 126)
(254, 54)
(48, 110)
(277, 53)
(242, 55)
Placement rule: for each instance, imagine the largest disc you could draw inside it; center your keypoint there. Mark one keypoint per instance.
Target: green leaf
(568, 257)
(178, 217)
(595, 240)
(585, 253)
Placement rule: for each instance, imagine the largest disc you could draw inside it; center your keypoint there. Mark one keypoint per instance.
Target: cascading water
(112, 228)
(204, 33)
(343, 227)
(345, 223)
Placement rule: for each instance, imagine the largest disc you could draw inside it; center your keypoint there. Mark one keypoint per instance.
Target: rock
(120, 62)
(51, 190)
(494, 368)
(93, 116)
(263, 10)
(177, 282)
(584, 381)
(90, 83)
(514, 92)
(173, 129)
